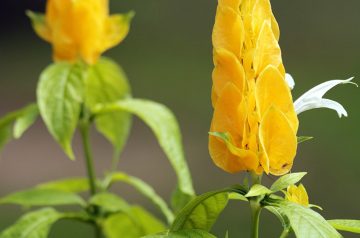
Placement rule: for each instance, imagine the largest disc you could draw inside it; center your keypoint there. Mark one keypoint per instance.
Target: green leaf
(24, 121)
(189, 233)
(282, 217)
(106, 83)
(35, 224)
(301, 139)
(7, 121)
(237, 196)
(258, 190)
(306, 222)
(59, 96)
(346, 225)
(165, 127)
(133, 224)
(202, 211)
(42, 197)
(109, 202)
(144, 189)
(286, 180)
(71, 185)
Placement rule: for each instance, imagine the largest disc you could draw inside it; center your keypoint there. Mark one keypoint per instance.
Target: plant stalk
(285, 233)
(84, 130)
(89, 160)
(255, 208)
(255, 218)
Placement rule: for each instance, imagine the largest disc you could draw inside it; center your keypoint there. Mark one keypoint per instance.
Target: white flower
(290, 81)
(314, 98)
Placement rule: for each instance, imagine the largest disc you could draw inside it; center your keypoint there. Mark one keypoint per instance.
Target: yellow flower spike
(80, 29)
(278, 141)
(297, 194)
(252, 103)
(272, 89)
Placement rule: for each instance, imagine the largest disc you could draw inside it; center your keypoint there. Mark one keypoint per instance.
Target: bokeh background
(168, 58)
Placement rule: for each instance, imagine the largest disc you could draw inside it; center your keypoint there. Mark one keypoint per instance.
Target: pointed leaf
(71, 185)
(346, 225)
(106, 83)
(258, 190)
(24, 121)
(286, 180)
(165, 127)
(35, 224)
(59, 95)
(109, 202)
(42, 197)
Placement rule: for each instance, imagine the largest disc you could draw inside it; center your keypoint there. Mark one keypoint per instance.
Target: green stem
(84, 130)
(255, 218)
(89, 160)
(255, 208)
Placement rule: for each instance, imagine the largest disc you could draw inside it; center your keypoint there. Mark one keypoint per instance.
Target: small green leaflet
(23, 119)
(286, 180)
(27, 119)
(109, 202)
(258, 190)
(35, 224)
(59, 96)
(346, 225)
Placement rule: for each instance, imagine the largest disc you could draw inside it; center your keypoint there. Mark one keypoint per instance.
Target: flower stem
(84, 130)
(89, 160)
(285, 233)
(255, 218)
(255, 208)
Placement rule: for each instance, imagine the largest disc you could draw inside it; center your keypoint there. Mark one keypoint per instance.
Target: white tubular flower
(314, 98)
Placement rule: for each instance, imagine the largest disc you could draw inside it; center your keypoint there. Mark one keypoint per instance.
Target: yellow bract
(252, 102)
(297, 194)
(81, 29)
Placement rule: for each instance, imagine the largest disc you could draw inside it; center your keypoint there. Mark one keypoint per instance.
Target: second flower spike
(81, 29)
(254, 124)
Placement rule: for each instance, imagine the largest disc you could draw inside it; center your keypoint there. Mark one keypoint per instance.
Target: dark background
(168, 58)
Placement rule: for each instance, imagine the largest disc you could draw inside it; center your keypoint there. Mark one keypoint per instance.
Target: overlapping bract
(80, 29)
(251, 99)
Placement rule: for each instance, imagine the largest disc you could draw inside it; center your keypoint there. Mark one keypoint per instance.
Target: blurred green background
(168, 58)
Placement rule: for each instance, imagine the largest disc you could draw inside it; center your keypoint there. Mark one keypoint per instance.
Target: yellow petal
(278, 142)
(117, 28)
(297, 194)
(227, 69)
(39, 25)
(228, 30)
(267, 50)
(272, 89)
(262, 12)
